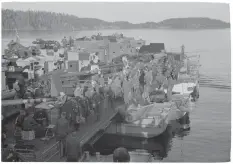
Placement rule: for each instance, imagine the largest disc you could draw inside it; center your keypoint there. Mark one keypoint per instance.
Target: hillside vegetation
(39, 20)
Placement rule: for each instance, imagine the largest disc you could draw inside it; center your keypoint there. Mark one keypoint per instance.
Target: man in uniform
(78, 91)
(62, 129)
(142, 80)
(64, 42)
(17, 88)
(61, 99)
(73, 149)
(121, 155)
(29, 123)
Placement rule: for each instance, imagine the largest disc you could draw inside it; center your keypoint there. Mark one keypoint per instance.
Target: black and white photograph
(94, 81)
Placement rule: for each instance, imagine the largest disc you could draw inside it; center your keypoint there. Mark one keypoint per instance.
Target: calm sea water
(208, 139)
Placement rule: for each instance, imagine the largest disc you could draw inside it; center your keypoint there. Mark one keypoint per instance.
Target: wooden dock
(92, 129)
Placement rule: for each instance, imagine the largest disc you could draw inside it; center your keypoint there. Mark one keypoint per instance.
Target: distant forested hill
(39, 20)
(193, 23)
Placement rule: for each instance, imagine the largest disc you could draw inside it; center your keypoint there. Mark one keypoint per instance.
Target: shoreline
(117, 29)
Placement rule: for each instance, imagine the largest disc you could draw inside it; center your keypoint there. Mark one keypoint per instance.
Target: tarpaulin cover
(152, 48)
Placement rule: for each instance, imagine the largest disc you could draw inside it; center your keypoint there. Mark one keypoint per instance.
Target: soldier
(71, 41)
(41, 117)
(78, 91)
(121, 155)
(110, 92)
(17, 88)
(126, 89)
(19, 120)
(73, 149)
(101, 80)
(62, 129)
(64, 42)
(61, 99)
(142, 80)
(4, 136)
(29, 123)
(101, 85)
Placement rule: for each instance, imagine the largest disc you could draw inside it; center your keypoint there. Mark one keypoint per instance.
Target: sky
(134, 12)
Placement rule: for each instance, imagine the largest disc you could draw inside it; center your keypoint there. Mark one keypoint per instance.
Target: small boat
(186, 93)
(187, 86)
(46, 44)
(147, 121)
(151, 120)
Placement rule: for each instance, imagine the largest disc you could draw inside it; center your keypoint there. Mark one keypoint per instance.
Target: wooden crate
(28, 135)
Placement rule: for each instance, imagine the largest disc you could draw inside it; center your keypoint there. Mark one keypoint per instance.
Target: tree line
(40, 20)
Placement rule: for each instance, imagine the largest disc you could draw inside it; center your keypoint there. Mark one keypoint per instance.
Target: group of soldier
(134, 84)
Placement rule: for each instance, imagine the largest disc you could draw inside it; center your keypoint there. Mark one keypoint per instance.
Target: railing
(49, 153)
(25, 155)
(28, 155)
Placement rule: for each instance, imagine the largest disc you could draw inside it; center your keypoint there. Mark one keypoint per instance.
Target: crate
(28, 135)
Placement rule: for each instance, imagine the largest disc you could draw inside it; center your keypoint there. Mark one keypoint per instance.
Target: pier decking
(49, 150)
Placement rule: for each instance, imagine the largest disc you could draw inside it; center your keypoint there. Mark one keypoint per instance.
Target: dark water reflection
(158, 147)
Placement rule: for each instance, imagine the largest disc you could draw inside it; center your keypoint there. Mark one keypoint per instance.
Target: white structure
(82, 57)
(51, 66)
(73, 56)
(184, 88)
(95, 68)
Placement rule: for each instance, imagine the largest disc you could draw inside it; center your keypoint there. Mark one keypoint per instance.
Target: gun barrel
(24, 101)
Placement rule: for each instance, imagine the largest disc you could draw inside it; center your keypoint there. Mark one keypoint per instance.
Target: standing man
(101, 83)
(62, 129)
(71, 41)
(126, 89)
(17, 88)
(73, 149)
(78, 91)
(101, 80)
(64, 42)
(20, 118)
(142, 80)
(110, 92)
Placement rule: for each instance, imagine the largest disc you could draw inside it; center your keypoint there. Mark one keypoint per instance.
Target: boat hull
(139, 131)
(143, 128)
